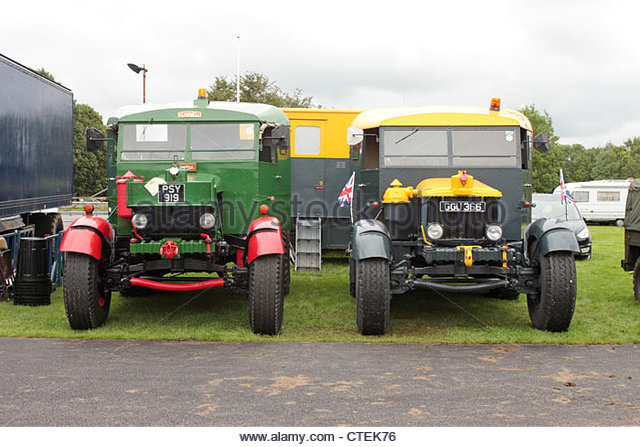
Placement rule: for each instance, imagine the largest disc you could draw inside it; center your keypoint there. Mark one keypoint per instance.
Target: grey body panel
(544, 236)
(310, 198)
(371, 240)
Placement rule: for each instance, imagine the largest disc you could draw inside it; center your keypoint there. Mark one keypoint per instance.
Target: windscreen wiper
(407, 136)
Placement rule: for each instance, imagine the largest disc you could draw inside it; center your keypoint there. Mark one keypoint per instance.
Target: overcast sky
(578, 60)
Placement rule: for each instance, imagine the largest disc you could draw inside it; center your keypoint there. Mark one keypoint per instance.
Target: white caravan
(600, 200)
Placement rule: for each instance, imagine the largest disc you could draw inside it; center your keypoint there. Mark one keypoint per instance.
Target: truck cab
(442, 196)
(194, 187)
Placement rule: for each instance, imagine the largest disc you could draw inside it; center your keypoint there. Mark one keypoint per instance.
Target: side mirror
(95, 140)
(281, 136)
(355, 135)
(541, 143)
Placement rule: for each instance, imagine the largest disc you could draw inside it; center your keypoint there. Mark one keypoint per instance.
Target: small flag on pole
(346, 195)
(565, 195)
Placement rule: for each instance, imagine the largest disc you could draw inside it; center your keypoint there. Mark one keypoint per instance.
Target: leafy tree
(45, 74)
(546, 167)
(89, 170)
(257, 88)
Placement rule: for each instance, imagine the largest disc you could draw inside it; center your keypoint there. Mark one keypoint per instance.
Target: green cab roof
(200, 110)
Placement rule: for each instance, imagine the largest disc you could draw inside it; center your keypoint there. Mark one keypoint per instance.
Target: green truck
(197, 186)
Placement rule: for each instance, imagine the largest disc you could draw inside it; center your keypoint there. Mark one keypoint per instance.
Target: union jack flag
(346, 195)
(565, 195)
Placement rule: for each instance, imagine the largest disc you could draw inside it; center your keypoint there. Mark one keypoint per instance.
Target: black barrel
(32, 286)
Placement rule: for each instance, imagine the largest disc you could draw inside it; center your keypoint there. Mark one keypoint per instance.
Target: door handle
(362, 185)
(278, 177)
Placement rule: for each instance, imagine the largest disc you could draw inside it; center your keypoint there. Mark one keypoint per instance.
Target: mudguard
(544, 236)
(370, 239)
(89, 235)
(264, 238)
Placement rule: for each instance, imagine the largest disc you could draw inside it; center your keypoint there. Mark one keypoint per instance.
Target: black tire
(85, 301)
(636, 280)
(507, 294)
(266, 297)
(47, 224)
(352, 277)
(552, 309)
(373, 296)
(286, 266)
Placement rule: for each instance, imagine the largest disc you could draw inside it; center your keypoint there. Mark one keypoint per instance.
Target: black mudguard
(370, 239)
(545, 236)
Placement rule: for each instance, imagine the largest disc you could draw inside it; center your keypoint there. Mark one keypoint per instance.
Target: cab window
(153, 141)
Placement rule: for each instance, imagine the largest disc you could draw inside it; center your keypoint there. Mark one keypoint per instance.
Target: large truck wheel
(47, 224)
(266, 294)
(373, 296)
(85, 301)
(352, 277)
(552, 309)
(286, 266)
(636, 280)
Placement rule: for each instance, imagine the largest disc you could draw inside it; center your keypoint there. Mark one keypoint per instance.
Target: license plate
(171, 194)
(462, 207)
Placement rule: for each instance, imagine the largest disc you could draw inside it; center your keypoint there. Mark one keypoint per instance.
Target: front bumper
(585, 248)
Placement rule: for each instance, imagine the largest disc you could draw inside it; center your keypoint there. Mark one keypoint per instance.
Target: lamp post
(142, 69)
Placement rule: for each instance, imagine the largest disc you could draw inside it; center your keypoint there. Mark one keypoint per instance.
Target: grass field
(319, 308)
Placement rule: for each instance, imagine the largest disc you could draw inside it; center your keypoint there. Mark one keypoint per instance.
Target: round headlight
(140, 220)
(207, 221)
(435, 231)
(494, 233)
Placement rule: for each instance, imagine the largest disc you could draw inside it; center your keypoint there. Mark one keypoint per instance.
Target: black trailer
(36, 149)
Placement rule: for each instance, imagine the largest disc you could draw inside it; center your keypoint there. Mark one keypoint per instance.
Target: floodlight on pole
(136, 69)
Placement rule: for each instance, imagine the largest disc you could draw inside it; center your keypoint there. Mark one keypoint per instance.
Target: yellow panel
(453, 186)
(440, 116)
(334, 130)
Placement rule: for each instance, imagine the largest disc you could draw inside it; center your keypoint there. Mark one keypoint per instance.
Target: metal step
(308, 244)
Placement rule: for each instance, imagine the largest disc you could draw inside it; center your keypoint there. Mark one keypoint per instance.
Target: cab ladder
(308, 244)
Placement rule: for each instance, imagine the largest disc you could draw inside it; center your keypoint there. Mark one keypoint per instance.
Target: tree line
(578, 163)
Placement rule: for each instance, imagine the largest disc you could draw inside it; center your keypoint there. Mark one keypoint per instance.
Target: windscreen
(551, 208)
(207, 141)
(451, 146)
(153, 141)
(222, 141)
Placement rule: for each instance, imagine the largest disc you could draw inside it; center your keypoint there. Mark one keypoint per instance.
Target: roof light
(264, 209)
(88, 209)
(495, 104)
(202, 93)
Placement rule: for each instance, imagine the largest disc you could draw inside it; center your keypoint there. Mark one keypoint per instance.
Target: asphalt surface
(53, 382)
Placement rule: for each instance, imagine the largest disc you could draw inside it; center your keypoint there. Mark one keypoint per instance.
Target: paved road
(52, 382)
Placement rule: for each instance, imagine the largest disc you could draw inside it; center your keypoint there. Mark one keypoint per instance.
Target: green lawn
(319, 308)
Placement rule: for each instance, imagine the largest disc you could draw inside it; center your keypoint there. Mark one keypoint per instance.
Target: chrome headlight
(494, 233)
(140, 221)
(584, 234)
(207, 221)
(435, 231)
